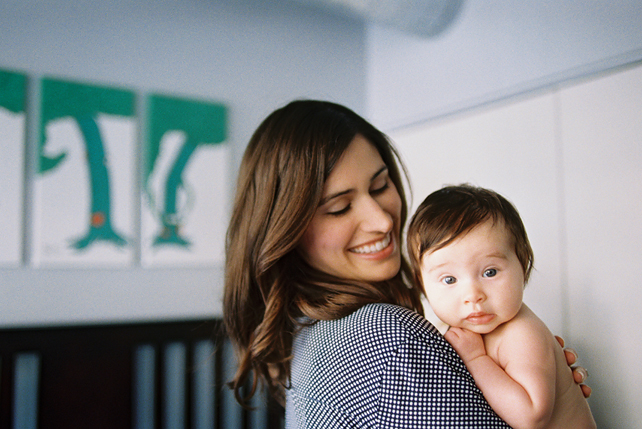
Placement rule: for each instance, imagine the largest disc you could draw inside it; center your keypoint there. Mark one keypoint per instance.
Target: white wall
(250, 54)
(569, 158)
(602, 159)
(495, 49)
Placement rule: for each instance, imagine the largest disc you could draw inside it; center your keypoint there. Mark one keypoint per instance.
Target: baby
(469, 249)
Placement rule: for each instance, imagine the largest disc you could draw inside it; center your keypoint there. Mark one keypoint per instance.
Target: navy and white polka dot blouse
(383, 366)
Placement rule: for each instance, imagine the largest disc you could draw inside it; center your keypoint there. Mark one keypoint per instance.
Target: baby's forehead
(451, 234)
(489, 238)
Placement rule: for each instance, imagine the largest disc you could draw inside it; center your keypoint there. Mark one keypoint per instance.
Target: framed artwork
(85, 187)
(12, 151)
(185, 197)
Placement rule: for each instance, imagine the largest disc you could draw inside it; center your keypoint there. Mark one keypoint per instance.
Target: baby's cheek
(444, 311)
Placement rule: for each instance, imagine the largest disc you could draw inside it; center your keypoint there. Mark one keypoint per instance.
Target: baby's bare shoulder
(524, 323)
(525, 333)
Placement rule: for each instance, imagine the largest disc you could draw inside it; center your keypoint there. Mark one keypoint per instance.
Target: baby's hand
(468, 345)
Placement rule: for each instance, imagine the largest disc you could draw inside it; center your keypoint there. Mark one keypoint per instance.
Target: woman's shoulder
(385, 324)
(370, 336)
(392, 317)
(357, 348)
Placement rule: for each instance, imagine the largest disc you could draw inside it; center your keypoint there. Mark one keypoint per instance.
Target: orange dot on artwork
(97, 219)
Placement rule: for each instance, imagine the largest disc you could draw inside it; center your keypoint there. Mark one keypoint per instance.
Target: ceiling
(424, 18)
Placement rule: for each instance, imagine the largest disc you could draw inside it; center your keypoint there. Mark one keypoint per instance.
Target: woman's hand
(580, 374)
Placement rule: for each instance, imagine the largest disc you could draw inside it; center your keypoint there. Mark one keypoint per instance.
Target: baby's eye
(491, 272)
(450, 280)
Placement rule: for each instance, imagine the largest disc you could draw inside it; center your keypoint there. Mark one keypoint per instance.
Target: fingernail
(573, 352)
(583, 372)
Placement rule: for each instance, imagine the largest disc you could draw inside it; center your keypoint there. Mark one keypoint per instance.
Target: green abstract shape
(170, 218)
(100, 227)
(61, 99)
(12, 91)
(203, 124)
(83, 103)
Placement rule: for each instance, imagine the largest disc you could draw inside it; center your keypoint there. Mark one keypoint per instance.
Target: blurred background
(539, 100)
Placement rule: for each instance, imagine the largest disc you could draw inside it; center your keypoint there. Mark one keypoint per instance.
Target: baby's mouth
(480, 318)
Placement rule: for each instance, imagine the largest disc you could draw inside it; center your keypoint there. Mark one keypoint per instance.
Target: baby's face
(476, 282)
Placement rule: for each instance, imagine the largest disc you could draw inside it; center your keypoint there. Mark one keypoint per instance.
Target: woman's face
(355, 231)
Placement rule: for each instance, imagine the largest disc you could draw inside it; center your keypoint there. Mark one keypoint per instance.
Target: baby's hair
(451, 212)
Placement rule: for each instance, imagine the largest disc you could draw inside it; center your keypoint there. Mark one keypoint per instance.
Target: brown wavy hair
(269, 289)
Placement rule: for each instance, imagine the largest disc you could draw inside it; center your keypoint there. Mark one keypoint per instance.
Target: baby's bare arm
(523, 393)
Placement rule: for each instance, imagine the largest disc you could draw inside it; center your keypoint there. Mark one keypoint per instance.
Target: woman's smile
(374, 247)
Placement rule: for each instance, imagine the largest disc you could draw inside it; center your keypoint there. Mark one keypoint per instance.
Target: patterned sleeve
(427, 385)
(382, 367)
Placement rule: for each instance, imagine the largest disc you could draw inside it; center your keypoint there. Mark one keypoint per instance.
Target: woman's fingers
(560, 340)
(580, 374)
(571, 356)
(586, 390)
(569, 353)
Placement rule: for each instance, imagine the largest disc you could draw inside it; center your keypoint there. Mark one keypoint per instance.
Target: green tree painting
(201, 125)
(84, 105)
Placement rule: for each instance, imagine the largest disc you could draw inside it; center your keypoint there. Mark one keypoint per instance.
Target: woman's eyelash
(340, 212)
(380, 190)
(377, 191)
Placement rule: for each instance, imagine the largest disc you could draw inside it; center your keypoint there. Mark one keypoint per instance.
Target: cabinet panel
(602, 141)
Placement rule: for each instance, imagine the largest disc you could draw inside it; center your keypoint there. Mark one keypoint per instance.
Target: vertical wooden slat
(219, 383)
(144, 387)
(174, 389)
(232, 414)
(188, 388)
(203, 385)
(25, 391)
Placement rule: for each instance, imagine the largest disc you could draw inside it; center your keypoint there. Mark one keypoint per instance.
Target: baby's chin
(480, 330)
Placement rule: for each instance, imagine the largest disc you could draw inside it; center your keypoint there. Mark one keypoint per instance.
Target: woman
(317, 297)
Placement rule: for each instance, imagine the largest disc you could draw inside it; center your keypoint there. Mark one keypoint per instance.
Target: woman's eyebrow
(332, 196)
(381, 170)
(324, 200)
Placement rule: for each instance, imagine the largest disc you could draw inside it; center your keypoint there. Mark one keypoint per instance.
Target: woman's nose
(375, 217)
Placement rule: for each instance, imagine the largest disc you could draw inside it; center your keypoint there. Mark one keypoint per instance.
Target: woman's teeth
(372, 248)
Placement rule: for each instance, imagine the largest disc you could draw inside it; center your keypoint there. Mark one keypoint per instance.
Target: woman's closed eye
(339, 211)
(380, 190)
